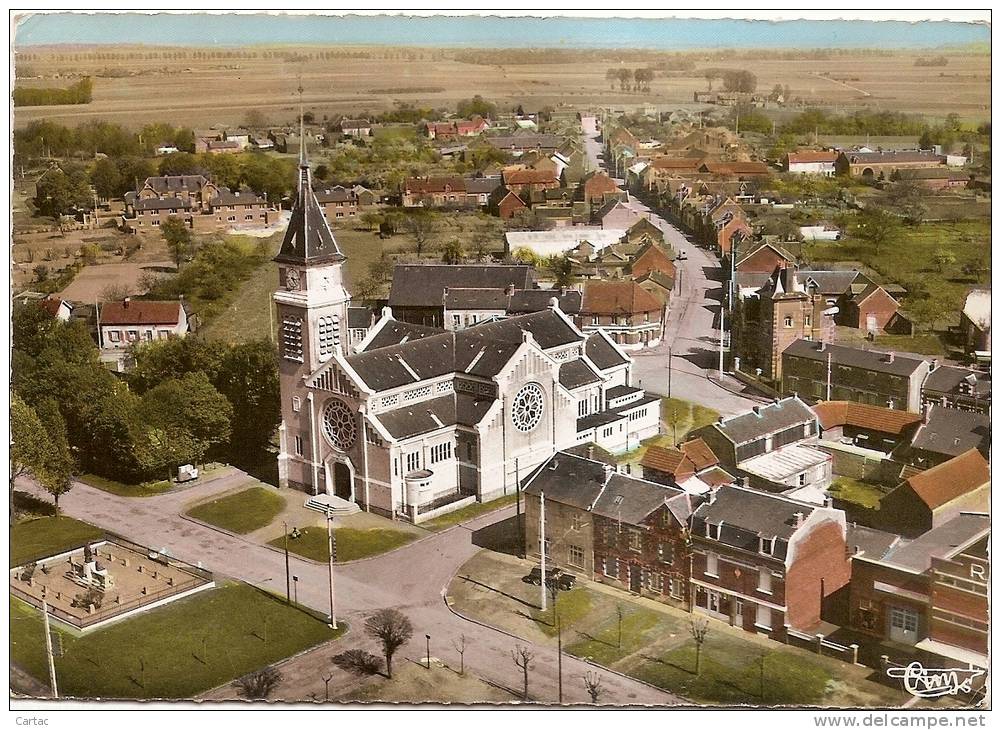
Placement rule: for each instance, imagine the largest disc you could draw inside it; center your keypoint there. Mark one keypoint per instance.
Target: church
(416, 421)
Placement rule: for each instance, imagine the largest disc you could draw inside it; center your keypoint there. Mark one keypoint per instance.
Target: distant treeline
(43, 138)
(931, 61)
(78, 93)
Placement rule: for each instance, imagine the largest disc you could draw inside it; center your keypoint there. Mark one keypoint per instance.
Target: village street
(411, 579)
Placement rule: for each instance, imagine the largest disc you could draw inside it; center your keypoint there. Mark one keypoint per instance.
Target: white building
(123, 323)
(561, 240)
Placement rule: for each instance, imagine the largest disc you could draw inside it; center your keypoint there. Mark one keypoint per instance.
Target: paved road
(412, 579)
(692, 328)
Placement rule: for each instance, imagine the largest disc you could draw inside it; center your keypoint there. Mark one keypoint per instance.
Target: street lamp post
(288, 579)
(331, 546)
(427, 638)
(295, 588)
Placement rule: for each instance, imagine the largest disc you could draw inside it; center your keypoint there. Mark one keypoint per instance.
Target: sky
(488, 31)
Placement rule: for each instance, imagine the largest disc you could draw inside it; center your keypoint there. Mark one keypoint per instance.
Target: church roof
(308, 239)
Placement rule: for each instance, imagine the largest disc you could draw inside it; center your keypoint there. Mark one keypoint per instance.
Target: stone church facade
(417, 421)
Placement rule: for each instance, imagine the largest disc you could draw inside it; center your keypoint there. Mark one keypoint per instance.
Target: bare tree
(422, 227)
(460, 646)
(523, 658)
(618, 615)
(258, 685)
(114, 293)
(391, 628)
(357, 661)
(699, 629)
(592, 681)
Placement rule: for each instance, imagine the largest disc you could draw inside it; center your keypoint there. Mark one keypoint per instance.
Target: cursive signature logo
(934, 681)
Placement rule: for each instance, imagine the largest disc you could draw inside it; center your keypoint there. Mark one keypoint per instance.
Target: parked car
(566, 581)
(535, 576)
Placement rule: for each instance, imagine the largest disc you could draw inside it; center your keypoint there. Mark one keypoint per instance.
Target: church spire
(308, 239)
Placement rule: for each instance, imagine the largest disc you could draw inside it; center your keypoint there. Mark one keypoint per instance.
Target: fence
(820, 645)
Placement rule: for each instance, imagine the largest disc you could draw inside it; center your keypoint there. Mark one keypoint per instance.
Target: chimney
(823, 346)
(126, 301)
(828, 501)
(712, 496)
(889, 357)
(799, 519)
(934, 365)
(590, 451)
(745, 482)
(925, 413)
(609, 470)
(757, 410)
(509, 290)
(554, 303)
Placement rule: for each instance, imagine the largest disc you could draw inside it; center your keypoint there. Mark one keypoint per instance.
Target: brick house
(616, 215)
(355, 127)
(864, 426)
(765, 258)
(945, 433)
(934, 178)
(811, 162)
(652, 257)
(929, 593)
(956, 387)
(121, 324)
(931, 498)
(631, 316)
(339, 202)
(871, 309)
(692, 466)
(524, 182)
(506, 203)
(774, 447)
(438, 192)
(194, 199)
(883, 164)
(862, 376)
(766, 563)
(595, 187)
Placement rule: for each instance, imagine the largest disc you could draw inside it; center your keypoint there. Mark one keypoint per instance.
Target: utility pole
(542, 544)
(669, 358)
(331, 546)
(517, 500)
(48, 651)
(828, 376)
(722, 325)
(559, 657)
(288, 575)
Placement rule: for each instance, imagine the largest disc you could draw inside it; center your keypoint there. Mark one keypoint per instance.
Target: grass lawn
(934, 291)
(860, 493)
(352, 543)
(37, 538)
(146, 489)
(413, 683)
(926, 344)
(681, 417)
(468, 512)
(186, 647)
(242, 512)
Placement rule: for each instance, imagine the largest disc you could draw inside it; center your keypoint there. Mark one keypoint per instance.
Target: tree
(392, 629)
(460, 646)
(477, 106)
(452, 252)
(106, 178)
(255, 119)
(525, 255)
(523, 658)
(248, 378)
(619, 615)
(643, 78)
(260, 684)
(189, 410)
(58, 192)
(907, 197)
(699, 628)
(878, 228)
(28, 443)
(740, 80)
(592, 681)
(422, 226)
(357, 661)
(57, 469)
(371, 220)
(943, 257)
(178, 237)
(625, 77)
(180, 163)
(611, 76)
(561, 267)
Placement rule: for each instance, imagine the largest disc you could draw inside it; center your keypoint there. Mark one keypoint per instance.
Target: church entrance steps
(335, 505)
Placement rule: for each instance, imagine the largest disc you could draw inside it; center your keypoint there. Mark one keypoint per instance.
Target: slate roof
(940, 542)
(950, 379)
(943, 483)
(870, 543)
(335, 194)
(534, 300)
(576, 373)
(888, 157)
(480, 185)
(829, 282)
(952, 432)
(164, 204)
(567, 479)
(482, 350)
(140, 311)
(601, 418)
(601, 353)
(308, 239)
(835, 413)
(745, 514)
(421, 285)
(430, 415)
(243, 196)
(359, 318)
(395, 332)
(854, 357)
(632, 500)
(617, 391)
(932, 173)
(475, 299)
(770, 418)
(175, 183)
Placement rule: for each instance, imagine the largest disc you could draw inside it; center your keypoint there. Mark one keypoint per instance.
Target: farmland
(187, 90)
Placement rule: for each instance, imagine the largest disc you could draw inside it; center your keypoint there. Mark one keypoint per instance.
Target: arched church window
(292, 338)
(328, 335)
(339, 425)
(529, 403)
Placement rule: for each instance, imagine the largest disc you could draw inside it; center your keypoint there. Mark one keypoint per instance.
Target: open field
(203, 92)
(160, 654)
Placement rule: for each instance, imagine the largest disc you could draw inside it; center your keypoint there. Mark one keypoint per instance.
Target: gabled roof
(746, 514)
(394, 332)
(699, 453)
(943, 541)
(943, 483)
(804, 156)
(430, 415)
(438, 184)
(835, 413)
(175, 183)
(567, 479)
(308, 239)
(958, 381)
(602, 353)
(952, 432)
(829, 282)
(535, 300)
(422, 285)
(576, 373)
(892, 156)
(618, 297)
(140, 311)
(632, 500)
(528, 177)
(764, 420)
(774, 247)
(668, 460)
(873, 360)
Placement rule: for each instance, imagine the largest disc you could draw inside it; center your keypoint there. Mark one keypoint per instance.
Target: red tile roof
(618, 297)
(676, 163)
(51, 304)
(860, 415)
(420, 185)
(700, 454)
(528, 177)
(140, 311)
(669, 461)
(812, 156)
(943, 483)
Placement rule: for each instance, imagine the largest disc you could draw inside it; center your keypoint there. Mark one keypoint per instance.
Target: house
(437, 191)
(129, 321)
(644, 230)
(945, 433)
(931, 498)
(692, 467)
(975, 324)
(360, 321)
(881, 165)
(526, 181)
(417, 292)
(773, 446)
(872, 309)
(956, 387)
(596, 187)
(811, 162)
(929, 593)
(863, 426)
(820, 371)
(339, 202)
(616, 215)
(764, 258)
(563, 240)
(519, 144)
(197, 201)
(627, 313)
(934, 178)
(355, 127)
(57, 307)
(766, 563)
(506, 203)
(652, 257)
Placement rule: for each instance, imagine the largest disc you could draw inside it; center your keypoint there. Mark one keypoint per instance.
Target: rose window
(339, 425)
(528, 406)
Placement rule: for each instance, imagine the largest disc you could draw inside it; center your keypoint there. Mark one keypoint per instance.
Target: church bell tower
(312, 305)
